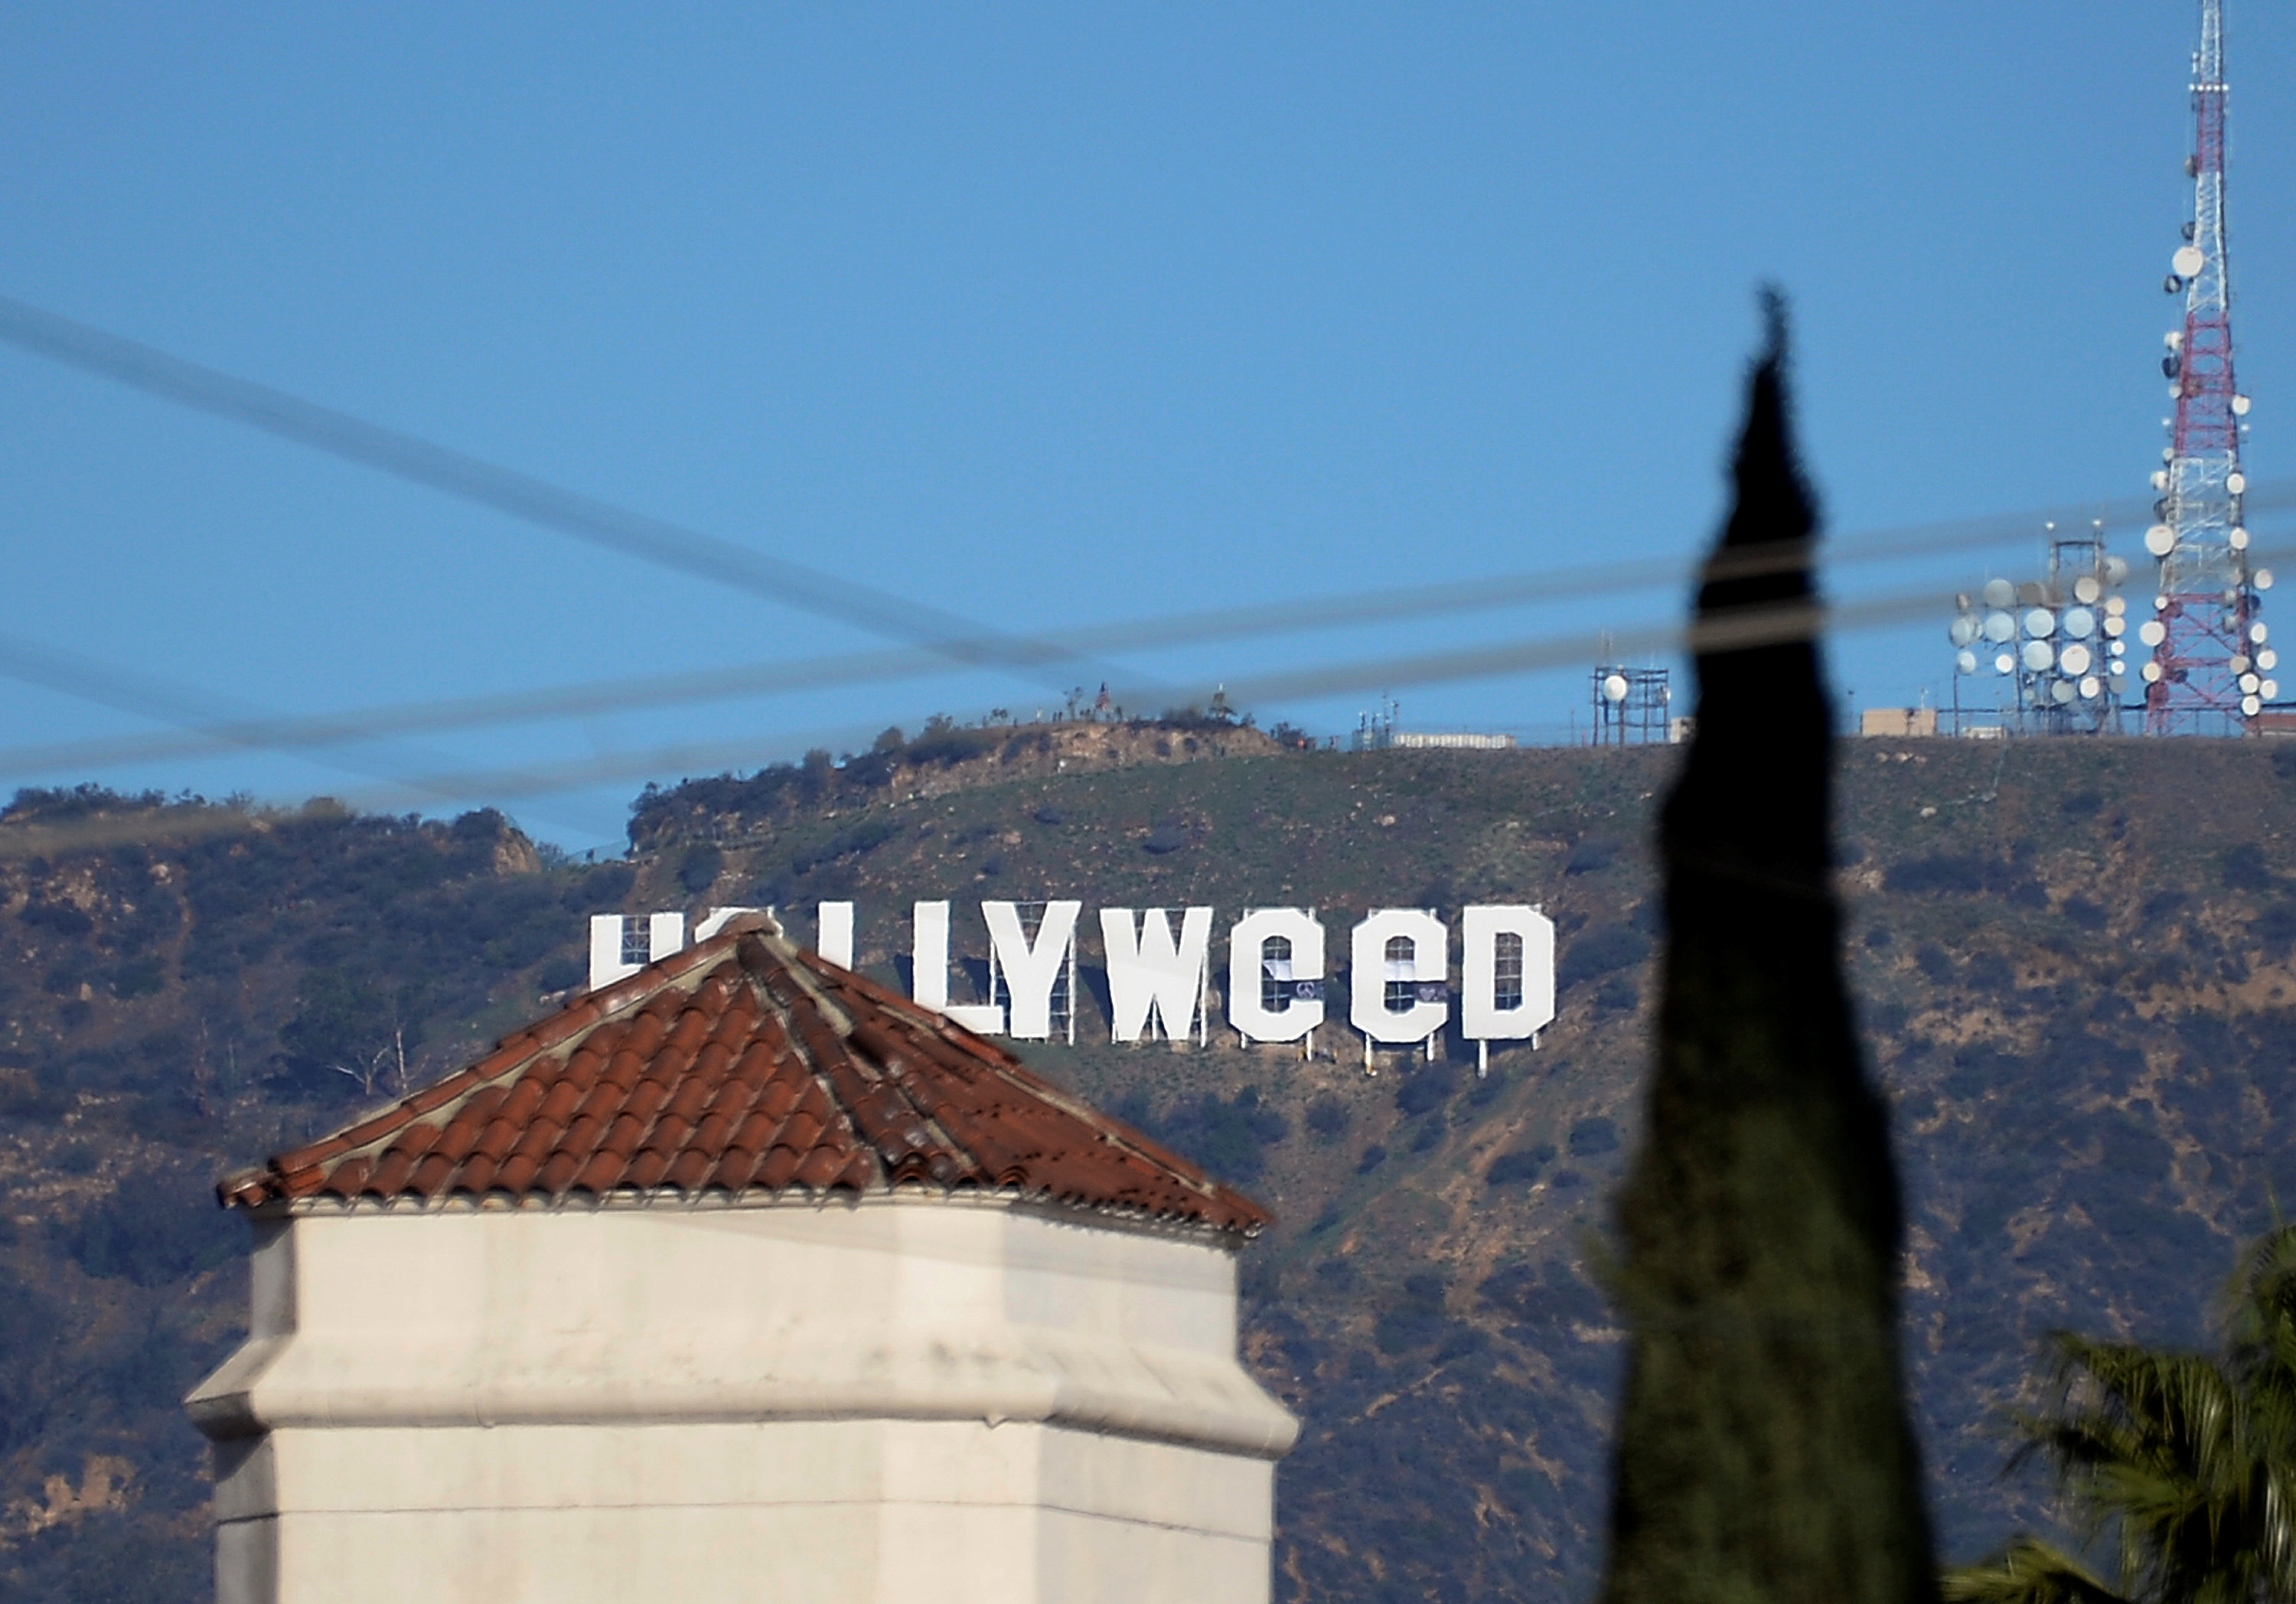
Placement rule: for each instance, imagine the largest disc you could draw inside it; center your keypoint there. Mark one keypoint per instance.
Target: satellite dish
(2257, 633)
(2114, 624)
(1999, 593)
(2248, 682)
(2262, 578)
(2160, 538)
(1964, 629)
(2000, 628)
(2004, 663)
(2036, 656)
(2239, 664)
(2153, 631)
(2061, 691)
(2086, 590)
(2040, 623)
(2074, 659)
(2187, 261)
(2240, 406)
(2116, 569)
(2090, 687)
(2268, 659)
(2249, 705)
(2079, 622)
(1965, 662)
(2114, 606)
(2238, 538)
(2150, 674)
(2160, 604)
(1614, 688)
(2118, 647)
(2269, 690)
(2236, 482)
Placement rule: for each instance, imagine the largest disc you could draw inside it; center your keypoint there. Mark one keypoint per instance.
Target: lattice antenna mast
(2205, 636)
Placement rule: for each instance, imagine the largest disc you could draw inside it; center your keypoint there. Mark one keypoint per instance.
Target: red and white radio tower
(2210, 669)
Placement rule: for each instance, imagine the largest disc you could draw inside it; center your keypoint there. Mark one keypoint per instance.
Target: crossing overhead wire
(419, 461)
(1764, 625)
(1496, 593)
(142, 694)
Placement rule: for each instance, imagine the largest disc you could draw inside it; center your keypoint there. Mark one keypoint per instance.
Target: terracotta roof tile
(743, 1067)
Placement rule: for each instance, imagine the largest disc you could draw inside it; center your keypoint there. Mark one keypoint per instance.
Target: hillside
(2074, 961)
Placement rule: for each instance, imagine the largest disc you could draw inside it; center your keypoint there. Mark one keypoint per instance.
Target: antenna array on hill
(2209, 663)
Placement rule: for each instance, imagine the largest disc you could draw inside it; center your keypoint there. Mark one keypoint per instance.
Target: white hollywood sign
(1159, 979)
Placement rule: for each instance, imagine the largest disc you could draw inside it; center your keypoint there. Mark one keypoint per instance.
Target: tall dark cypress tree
(1763, 1451)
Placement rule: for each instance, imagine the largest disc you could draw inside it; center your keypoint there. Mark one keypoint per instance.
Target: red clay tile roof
(743, 1066)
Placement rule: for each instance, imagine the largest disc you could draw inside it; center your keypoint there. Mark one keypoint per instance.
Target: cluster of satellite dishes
(2062, 646)
(2251, 666)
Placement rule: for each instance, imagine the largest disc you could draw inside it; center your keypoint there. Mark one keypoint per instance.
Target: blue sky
(1054, 317)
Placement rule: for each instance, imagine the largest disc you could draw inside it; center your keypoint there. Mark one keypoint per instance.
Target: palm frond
(2028, 1571)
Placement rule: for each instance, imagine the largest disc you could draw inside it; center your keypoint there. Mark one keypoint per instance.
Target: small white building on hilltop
(743, 1279)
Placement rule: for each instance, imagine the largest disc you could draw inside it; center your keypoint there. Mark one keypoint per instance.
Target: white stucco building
(742, 1279)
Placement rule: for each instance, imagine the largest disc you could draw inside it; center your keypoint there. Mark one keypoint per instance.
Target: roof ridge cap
(840, 1018)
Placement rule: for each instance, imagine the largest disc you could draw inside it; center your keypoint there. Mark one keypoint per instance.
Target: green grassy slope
(2073, 961)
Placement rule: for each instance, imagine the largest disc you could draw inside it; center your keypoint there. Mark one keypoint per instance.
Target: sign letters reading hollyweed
(1160, 969)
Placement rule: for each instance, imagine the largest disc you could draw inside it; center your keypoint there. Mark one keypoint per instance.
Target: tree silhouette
(1764, 1450)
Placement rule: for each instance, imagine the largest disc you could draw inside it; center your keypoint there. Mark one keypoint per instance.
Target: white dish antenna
(1965, 662)
(2036, 656)
(2262, 578)
(2188, 262)
(2075, 660)
(2040, 623)
(2160, 538)
(2269, 690)
(2238, 538)
(2090, 688)
(2250, 706)
(1964, 629)
(2249, 683)
(1615, 687)
(2114, 626)
(2005, 664)
(2086, 590)
(2153, 631)
(1999, 593)
(2114, 606)
(2000, 628)
(2079, 622)
(2116, 569)
(2061, 691)
(2257, 633)
(2240, 406)
(2268, 659)
(2236, 482)
(2150, 673)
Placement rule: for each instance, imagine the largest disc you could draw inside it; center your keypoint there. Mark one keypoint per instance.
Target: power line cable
(300, 732)
(440, 468)
(77, 676)
(1765, 624)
